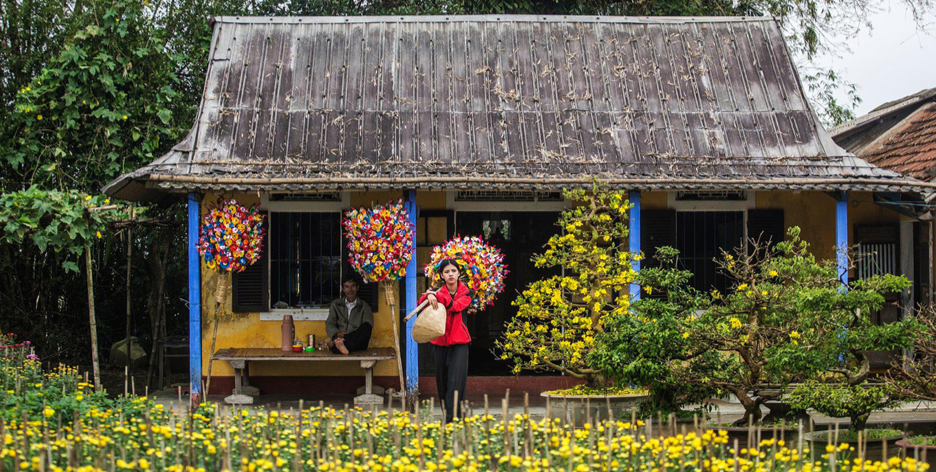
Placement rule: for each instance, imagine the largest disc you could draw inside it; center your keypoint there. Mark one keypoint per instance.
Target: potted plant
(560, 316)
(919, 447)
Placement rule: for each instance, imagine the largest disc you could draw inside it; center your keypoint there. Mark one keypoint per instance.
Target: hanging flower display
(380, 241)
(482, 263)
(231, 236)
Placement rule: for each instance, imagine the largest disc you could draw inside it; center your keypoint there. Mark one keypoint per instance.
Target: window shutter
(657, 228)
(766, 225)
(367, 292)
(250, 289)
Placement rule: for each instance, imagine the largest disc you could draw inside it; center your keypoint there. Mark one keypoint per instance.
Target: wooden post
(412, 349)
(129, 345)
(841, 235)
(94, 343)
(633, 236)
(194, 286)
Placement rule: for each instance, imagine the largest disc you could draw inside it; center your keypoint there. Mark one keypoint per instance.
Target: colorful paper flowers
(231, 236)
(380, 241)
(482, 263)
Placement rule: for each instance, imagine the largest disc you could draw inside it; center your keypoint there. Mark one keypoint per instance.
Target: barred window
(305, 259)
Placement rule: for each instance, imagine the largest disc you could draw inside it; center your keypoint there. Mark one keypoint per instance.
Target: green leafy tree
(558, 317)
(93, 112)
(64, 223)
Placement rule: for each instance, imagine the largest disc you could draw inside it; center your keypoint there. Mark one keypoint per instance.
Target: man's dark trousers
(356, 340)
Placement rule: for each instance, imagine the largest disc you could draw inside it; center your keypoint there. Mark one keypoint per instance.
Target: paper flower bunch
(231, 236)
(380, 241)
(482, 263)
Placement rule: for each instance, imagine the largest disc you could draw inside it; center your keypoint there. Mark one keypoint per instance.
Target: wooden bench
(240, 358)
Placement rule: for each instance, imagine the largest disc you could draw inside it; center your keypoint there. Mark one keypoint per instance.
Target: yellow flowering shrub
(559, 317)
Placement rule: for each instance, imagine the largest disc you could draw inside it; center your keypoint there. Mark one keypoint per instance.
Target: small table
(170, 343)
(240, 358)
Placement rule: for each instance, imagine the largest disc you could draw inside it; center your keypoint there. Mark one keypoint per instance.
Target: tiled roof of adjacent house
(293, 104)
(910, 148)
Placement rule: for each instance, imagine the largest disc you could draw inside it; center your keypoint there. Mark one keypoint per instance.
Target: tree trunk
(94, 344)
(158, 262)
(859, 422)
(129, 344)
(751, 409)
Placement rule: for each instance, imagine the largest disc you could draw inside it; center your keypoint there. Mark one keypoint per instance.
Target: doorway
(519, 236)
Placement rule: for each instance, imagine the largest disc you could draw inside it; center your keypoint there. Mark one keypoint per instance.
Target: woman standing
(451, 349)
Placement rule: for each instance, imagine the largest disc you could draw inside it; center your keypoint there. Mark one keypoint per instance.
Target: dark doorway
(519, 235)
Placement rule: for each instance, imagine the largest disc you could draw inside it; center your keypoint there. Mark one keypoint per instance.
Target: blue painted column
(412, 349)
(194, 289)
(841, 235)
(634, 236)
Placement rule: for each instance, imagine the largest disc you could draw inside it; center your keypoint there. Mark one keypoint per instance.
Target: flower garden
(53, 421)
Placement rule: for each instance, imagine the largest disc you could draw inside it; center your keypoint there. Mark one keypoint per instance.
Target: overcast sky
(891, 61)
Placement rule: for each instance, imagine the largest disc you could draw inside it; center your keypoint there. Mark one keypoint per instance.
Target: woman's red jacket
(456, 332)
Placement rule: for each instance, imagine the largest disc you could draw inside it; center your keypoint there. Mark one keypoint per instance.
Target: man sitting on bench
(350, 321)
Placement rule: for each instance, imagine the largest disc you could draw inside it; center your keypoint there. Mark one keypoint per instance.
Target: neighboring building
(899, 136)
(480, 122)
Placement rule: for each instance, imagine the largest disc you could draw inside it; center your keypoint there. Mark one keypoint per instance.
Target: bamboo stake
(94, 341)
(506, 448)
(129, 344)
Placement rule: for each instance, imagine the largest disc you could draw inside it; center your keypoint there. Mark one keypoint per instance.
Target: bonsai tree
(915, 376)
(558, 317)
(843, 387)
(640, 347)
(842, 400)
(784, 320)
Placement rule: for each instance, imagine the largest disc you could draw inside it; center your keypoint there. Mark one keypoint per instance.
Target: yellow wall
(653, 200)
(247, 330)
(814, 213)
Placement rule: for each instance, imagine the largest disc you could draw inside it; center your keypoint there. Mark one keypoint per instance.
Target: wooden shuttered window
(250, 289)
(657, 229)
(765, 225)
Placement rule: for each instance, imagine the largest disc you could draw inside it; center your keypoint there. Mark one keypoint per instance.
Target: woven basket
(430, 324)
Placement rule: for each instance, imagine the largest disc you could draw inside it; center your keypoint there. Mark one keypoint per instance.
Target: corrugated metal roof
(383, 102)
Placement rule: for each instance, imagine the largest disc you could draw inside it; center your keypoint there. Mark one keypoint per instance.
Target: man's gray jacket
(338, 320)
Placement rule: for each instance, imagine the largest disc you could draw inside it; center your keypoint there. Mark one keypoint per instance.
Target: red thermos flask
(289, 332)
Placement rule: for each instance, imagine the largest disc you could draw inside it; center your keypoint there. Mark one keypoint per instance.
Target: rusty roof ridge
(875, 114)
(488, 18)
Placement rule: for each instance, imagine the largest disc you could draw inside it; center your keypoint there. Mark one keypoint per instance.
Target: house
(480, 122)
(900, 136)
